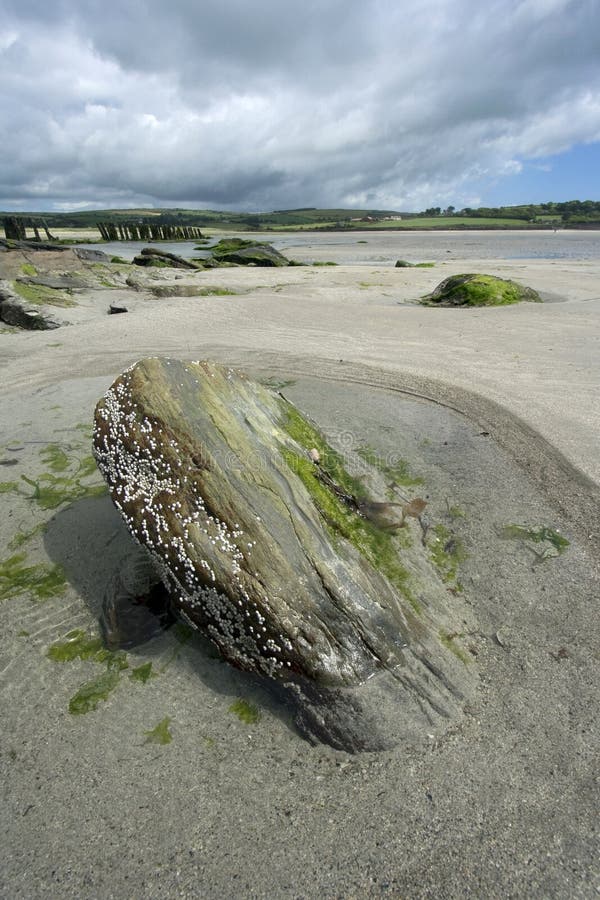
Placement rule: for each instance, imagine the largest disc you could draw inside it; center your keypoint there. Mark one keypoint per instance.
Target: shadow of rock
(91, 542)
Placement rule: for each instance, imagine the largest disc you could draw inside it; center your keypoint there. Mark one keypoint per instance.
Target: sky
(275, 104)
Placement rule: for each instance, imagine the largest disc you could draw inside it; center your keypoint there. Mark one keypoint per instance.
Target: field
(82, 225)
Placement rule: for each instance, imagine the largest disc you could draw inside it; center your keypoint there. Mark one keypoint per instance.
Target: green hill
(572, 214)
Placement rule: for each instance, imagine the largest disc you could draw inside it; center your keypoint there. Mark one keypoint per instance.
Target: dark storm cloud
(280, 104)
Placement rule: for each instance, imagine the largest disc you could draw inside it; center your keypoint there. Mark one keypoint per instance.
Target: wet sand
(497, 410)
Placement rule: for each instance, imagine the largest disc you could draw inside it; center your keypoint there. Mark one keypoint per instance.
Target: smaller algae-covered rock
(15, 310)
(247, 253)
(479, 290)
(150, 256)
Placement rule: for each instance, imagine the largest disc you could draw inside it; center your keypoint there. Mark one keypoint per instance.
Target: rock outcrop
(261, 538)
(31, 245)
(479, 290)
(16, 311)
(237, 251)
(150, 256)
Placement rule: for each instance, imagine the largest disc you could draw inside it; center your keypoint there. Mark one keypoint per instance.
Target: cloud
(271, 105)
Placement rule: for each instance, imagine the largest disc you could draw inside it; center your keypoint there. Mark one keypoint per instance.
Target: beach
(497, 410)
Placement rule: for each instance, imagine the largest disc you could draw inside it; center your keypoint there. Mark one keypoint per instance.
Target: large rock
(151, 256)
(479, 290)
(240, 252)
(16, 311)
(267, 547)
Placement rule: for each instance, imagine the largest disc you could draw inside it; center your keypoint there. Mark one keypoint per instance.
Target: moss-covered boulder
(240, 252)
(479, 290)
(269, 546)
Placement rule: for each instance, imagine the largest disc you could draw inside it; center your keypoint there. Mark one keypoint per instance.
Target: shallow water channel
(384, 248)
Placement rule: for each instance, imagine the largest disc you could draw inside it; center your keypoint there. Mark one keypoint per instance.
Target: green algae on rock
(446, 551)
(267, 552)
(160, 734)
(479, 290)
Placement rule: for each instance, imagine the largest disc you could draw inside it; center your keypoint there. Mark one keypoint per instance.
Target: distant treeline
(571, 212)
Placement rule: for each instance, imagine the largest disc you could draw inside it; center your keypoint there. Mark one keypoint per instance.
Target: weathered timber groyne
(15, 228)
(147, 231)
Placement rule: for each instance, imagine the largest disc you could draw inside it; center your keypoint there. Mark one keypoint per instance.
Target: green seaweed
(245, 711)
(448, 640)
(40, 295)
(77, 644)
(404, 264)
(28, 269)
(40, 580)
(160, 734)
(55, 458)
(538, 534)
(398, 469)
(182, 632)
(377, 545)
(92, 692)
(216, 292)
(324, 263)
(446, 552)
(455, 512)
(142, 673)
(7, 487)
(51, 491)
(331, 462)
(87, 466)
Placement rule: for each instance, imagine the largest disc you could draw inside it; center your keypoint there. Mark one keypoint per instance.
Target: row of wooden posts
(145, 231)
(15, 228)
